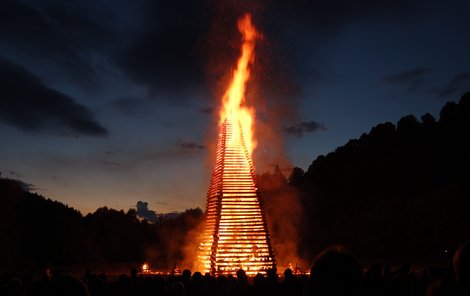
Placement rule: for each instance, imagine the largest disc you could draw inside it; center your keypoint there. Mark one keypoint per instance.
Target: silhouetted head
(336, 272)
(197, 277)
(67, 285)
(231, 278)
(461, 263)
(258, 279)
(133, 273)
(123, 280)
(241, 275)
(186, 274)
(442, 287)
(288, 274)
(222, 280)
(271, 274)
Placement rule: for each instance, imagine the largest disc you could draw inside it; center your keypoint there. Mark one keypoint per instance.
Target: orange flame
(236, 234)
(233, 101)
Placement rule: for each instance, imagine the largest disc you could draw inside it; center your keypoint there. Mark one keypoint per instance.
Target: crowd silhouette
(334, 272)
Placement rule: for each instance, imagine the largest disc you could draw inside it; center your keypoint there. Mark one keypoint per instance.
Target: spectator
(336, 272)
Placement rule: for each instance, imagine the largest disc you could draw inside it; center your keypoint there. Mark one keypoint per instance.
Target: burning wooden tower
(236, 234)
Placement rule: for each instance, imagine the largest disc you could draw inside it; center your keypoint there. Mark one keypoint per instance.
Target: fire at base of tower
(236, 234)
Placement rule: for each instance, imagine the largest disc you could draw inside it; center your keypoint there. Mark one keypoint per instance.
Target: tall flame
(233, 101)
(236, 234)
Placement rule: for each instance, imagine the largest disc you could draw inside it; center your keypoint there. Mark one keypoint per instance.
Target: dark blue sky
(112, 102)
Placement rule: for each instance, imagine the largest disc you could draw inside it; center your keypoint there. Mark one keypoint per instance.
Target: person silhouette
(461, 264)
(336, 272)
(67, 285)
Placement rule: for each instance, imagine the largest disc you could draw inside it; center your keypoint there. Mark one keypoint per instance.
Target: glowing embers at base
(236, 234)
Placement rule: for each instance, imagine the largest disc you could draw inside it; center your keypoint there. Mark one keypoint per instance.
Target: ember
(236, 234)
(145, 268)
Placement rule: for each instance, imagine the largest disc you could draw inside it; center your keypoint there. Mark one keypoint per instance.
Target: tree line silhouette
(37, 232)
(399, 193)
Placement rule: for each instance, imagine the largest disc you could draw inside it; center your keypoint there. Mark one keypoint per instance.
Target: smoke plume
(283, 211)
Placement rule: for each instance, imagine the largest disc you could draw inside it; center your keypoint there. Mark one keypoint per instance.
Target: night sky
(114, 102)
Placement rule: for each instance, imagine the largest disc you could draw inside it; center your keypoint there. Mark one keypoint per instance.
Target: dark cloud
(25, 186)
(177, 150)
(112, 164)
(190, 146)
(411, 80)
(15, 174)
(112, 151)
(163, 56)
(208, 110)
(28, 104)
(165, 46)
(53, 35)
(131, 106)
(299, 129)
(330, 12)
(144, 212)
(297, 27)
(184, 47)
(458, 82)
(83, 23)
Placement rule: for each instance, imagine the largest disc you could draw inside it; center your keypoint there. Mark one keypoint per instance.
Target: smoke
(274, 95)
(144, 212)
(191, 247)
(283, 213)
(178, 241)
(152, 255)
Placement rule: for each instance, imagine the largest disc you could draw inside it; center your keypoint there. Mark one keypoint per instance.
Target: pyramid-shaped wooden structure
(236, 233)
